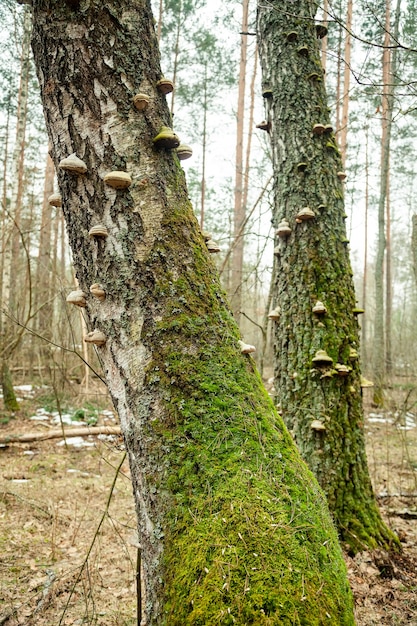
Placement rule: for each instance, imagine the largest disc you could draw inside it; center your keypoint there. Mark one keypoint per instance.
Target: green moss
(248, 537)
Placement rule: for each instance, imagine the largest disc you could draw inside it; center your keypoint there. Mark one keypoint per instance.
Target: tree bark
(239, 208)
(322, 407)
(389, 61)
(43, 294)
(232, 525)
(346, 83)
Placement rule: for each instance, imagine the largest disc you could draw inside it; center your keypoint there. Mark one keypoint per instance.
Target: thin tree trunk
(176, 55)
(389, 60)
(388, 285)
(215, 474)
(204, 149)
(5, 222)
(364, 347)
(346, 83)
(42, 295)
(239, 209)
(324, 40)
(16, 267)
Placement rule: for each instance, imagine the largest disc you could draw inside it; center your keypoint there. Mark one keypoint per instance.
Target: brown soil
(53, 498)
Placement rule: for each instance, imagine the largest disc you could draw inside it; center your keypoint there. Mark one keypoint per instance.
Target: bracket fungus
(55, 199)
(165, 86)
(328, 129)
(206, 235)
(341, 175)
(342, 370)
(212, 246)
(315, 77)
(366, 383)
(303, 51)
(184, 152)
(317, 425)
(318, 129)
(274, 314)
(118, 179)
(353, 354)
(246, 348)
(322, 359)
(97, 337)
(267, 91)
(321, 31)
(305, 215)
(141, 101)
(302, 167)
(77, 297)
(264, 125)
(166, 138)
(358, 311)
(292, 36)
(283, 229)
(98, 292)
(319, 308)
(98, 231)
(73, 164)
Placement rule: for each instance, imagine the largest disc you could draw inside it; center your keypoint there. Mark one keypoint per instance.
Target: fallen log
(81, 431)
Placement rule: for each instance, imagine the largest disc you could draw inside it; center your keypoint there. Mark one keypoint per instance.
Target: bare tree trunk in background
(204, 149)
(5, 222)
(324, 40)
(239, 208)
(388, 285)
(160, 15)
(346, 83)
(16, 269)
(364, 354)
(414, 244)
(42, 293)
(389, 62)
(13, 298)
(176, 56)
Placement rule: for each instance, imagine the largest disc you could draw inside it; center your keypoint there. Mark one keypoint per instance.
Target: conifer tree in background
(233, 527)
(317, 372)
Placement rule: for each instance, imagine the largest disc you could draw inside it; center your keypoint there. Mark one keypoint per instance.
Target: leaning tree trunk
(232, 525)
(316, 337)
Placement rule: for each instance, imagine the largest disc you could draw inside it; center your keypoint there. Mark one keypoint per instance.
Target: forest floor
(68, 550)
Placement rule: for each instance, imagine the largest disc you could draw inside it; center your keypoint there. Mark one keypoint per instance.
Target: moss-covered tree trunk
(316, 337)
(233, 526)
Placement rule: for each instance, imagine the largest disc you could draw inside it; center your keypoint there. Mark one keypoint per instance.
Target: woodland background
(370, 59)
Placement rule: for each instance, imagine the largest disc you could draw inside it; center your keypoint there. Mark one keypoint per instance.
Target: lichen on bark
(232, 524)
(321, 404)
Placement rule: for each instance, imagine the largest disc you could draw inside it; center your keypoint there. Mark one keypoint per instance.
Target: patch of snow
(380, 420)
(77, 442)
(66, 418)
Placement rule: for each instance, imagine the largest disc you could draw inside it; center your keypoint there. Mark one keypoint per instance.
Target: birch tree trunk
(232, 525)
(316, 337)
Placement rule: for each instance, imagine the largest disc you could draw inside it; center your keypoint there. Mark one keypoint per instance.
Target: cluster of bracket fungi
(119, 180)
(321, 362)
